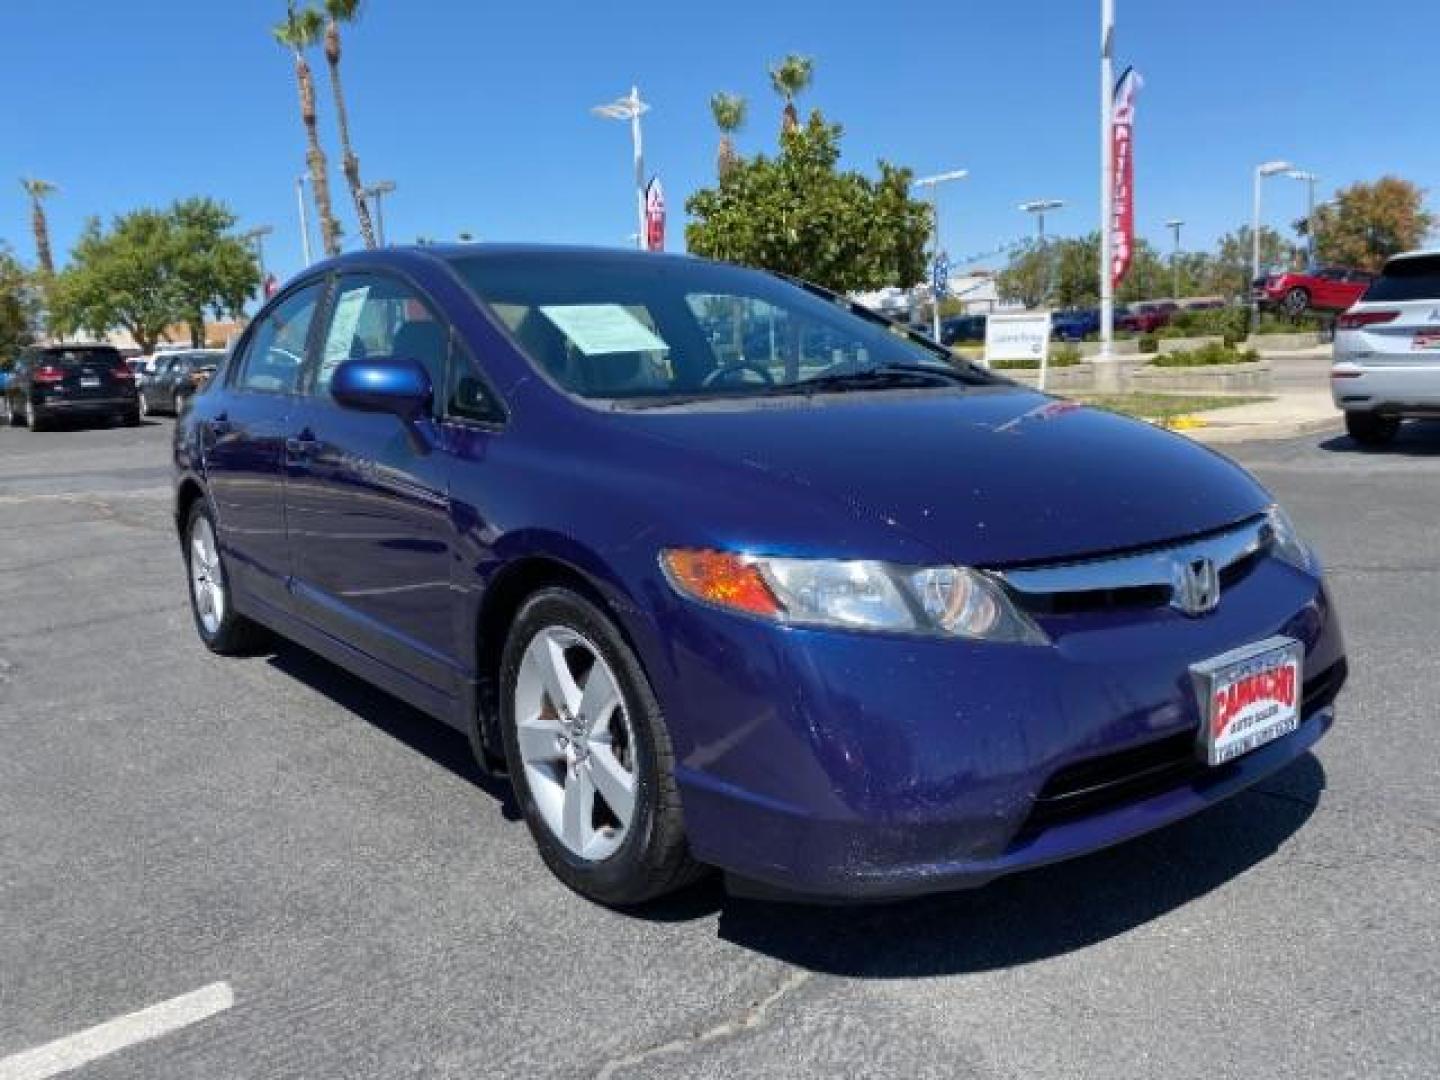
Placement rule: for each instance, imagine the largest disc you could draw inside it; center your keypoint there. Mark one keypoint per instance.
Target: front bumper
(1400, 389)
(869, 766)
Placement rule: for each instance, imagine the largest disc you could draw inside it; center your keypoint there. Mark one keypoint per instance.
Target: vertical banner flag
(1122, 160)
(654, 215)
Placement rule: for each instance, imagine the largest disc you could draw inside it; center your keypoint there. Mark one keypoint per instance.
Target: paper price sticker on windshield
(598, 329)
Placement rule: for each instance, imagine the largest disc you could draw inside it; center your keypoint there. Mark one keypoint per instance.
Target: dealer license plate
(1248, 697)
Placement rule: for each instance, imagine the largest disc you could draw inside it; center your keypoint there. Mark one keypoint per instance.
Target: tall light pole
(933, 183)
(304, 221)
(631, 108)
(1309, 179)
(1270, 168)
(377, 192)
(1174, 225)
(1107, 180)
(1041, 207)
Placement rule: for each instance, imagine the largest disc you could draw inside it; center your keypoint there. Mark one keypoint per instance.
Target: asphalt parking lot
(170, 821)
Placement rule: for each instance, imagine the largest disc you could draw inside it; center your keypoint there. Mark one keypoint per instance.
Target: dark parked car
(1146, 318)
(49, 382)
(175, 376)
(1075, 325)
(962, 328)
(836, 615)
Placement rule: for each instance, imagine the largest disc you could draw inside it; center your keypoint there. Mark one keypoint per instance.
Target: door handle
(221, 425)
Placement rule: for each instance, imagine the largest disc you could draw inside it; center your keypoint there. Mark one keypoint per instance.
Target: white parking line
(83, 1047)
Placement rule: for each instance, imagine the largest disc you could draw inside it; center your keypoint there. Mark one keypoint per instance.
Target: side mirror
(394, 385)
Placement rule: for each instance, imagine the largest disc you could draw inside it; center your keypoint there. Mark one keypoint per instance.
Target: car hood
(988, 477)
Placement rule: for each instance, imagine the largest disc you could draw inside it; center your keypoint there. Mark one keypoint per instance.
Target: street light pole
(1107, 175)
(1309, 179)
(631, 108)
(1174, 225)
(933, 183)
(1270, 168)
(1041, 207)
(377, 192)
(256, 236)
(304, 221)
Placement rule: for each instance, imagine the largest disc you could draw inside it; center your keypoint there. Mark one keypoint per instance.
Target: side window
(377, 316)
(468, 397)
(275, 353)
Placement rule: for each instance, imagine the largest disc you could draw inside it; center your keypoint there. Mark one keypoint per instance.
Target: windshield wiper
(881, 377)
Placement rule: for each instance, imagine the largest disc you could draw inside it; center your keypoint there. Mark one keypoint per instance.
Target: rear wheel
(132, 418)
(589, 754)
(33, 417)
(1367, 429)
(221, 627)
(13, 416)
(141, 405)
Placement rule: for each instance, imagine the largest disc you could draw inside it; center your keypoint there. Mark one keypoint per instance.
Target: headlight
(1286, 544)
(944, 601)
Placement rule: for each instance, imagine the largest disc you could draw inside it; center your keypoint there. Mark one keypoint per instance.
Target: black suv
(53, 381)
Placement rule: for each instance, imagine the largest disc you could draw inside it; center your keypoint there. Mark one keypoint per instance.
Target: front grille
(1136, 579)
(1102, 783)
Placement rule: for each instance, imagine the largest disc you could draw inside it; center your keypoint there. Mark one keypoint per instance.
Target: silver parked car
(1387, 350)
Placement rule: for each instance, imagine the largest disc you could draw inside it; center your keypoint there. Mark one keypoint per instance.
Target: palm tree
(789, 77)
(337, 12)
(301, 30)
(729, 113)
(39, 191)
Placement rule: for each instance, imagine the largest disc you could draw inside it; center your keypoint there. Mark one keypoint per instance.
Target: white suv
(1387, 350)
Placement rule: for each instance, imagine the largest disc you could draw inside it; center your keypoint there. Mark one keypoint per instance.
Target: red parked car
(1147, 318)
(1320, 288)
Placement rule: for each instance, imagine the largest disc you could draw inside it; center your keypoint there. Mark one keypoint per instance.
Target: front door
(367, 503)
(245, 447)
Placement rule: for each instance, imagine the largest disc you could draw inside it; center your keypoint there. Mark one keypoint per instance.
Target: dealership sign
(1018, 335)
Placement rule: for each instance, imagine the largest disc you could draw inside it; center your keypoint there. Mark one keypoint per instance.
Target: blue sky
(479, 111)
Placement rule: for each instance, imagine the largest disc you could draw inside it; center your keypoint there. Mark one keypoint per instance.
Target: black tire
(654, 858)
(1367, 429)
(12, 417)
(34, 419)
(132, 418)
(236, 635)
(1296, 302)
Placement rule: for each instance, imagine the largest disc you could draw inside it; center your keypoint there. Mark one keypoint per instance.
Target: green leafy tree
(299, 32)
(729, 113)
(798, 214)
(790, 77)
(1231, 269)
(154, 268)
(17, 306)
(337, 12)
(1367, 223)
(1066, 273)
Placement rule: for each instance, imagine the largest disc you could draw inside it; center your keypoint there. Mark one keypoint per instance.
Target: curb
(1220, 432)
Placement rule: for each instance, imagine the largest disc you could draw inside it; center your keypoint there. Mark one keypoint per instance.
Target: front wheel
(221, 627)
(1296, 301)
(590, 755)
(1367, 429)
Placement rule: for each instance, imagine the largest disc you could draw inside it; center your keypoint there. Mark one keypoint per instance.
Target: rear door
(368, 509)
(245, 445)
(1401, 311)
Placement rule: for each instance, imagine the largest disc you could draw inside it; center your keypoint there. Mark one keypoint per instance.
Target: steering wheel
(727, 370)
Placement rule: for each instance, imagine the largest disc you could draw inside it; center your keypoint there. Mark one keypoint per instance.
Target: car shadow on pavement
(420, 732)
(1416, 438)
(1041, 913)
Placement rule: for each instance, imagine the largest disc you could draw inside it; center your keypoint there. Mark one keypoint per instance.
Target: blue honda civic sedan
(726, 572)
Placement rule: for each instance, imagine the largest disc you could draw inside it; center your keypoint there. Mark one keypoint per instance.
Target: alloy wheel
(576, 742)
(207, 583)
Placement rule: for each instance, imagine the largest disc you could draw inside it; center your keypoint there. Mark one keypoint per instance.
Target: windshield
(628, 327)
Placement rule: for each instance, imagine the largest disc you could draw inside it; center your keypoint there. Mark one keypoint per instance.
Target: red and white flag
(654, 215)
(1122, 162)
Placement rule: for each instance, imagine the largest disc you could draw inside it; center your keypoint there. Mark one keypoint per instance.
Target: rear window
(80, 357)
(1408, 279)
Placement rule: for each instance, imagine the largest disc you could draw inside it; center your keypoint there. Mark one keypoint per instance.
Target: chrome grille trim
(1153, 568)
